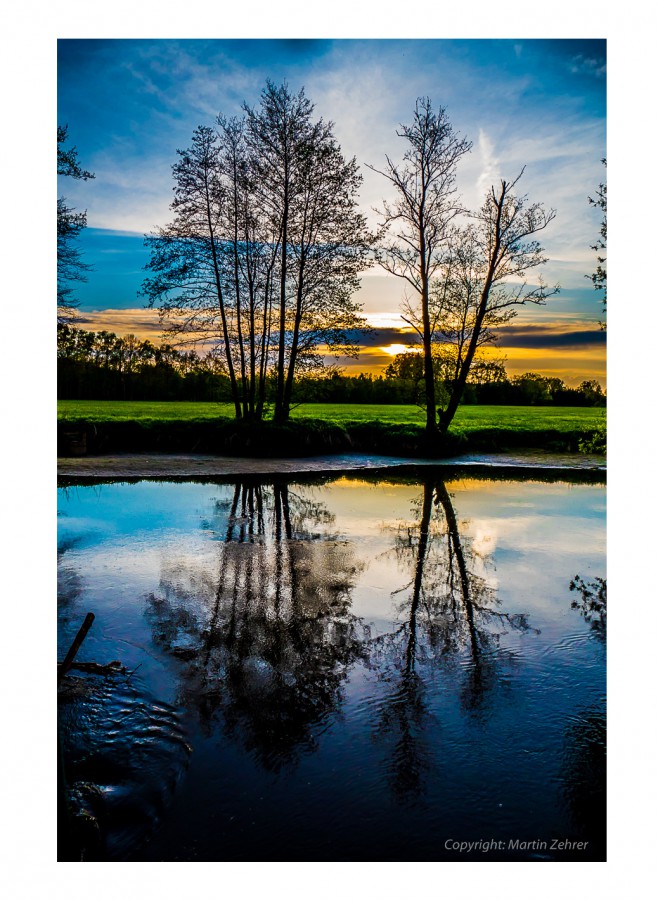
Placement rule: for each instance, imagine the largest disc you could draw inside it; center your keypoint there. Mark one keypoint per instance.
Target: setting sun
(394, 349)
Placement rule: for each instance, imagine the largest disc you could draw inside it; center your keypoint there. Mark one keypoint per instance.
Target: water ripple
(124, 754)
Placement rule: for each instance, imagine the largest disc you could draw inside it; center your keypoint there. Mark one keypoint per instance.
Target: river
(350, 667)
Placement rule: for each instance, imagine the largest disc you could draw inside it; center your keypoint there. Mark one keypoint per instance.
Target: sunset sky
(130, 104)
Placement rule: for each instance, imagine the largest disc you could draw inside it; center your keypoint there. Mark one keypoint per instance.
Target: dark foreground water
(348, 670)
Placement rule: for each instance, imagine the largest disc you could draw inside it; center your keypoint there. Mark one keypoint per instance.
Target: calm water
(347, 670)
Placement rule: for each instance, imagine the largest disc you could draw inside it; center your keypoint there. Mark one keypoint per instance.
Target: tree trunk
(280, 415)
(290, 376)
(222, 311)
(430, 393)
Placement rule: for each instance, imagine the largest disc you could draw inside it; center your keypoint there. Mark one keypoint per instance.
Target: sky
(130, 104)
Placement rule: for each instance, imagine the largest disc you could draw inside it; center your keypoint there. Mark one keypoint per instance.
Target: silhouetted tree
(188, 256)
(600, 277)
(497, 254)
(454, 303)
(264, 251)
(70, 264)
(416, 224)
(308, 194)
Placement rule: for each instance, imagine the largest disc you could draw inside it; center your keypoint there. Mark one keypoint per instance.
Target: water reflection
(355, 676)
(591, 603)
(450, 620)
(584, 769)
(268, 637)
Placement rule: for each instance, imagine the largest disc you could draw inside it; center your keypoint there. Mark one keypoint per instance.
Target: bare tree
(253, 243)
(275, 132)
(486, 278)
(308, 193)
(330, 245)
(188, 256)
(416, 224)
(265, 248)
(453, 305)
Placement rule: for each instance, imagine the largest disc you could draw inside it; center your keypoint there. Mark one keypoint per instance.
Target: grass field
(468, 418)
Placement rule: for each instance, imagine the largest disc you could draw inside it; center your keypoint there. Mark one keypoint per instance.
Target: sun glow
(394, 349)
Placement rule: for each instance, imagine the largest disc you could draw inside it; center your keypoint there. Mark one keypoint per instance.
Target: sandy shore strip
(188, 465)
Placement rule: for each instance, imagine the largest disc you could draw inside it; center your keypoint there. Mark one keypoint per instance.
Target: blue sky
(130, 104)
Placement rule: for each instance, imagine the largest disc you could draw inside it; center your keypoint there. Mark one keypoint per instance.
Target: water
(340, 670)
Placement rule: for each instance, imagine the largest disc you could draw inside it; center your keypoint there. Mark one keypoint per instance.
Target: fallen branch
(113, 668)
(75, 646)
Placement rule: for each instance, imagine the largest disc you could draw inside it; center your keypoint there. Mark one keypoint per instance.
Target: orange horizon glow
(572, 366)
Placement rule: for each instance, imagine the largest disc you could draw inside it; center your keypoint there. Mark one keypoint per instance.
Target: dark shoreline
(299, 439)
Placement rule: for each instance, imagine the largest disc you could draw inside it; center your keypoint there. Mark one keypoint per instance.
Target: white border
(29, 117)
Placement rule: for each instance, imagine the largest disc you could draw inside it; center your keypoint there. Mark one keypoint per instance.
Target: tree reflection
(592, 603)
(450, 620)
(584, 769)
(267, 635)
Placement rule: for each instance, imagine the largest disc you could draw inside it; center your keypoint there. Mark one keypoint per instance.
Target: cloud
(489, 163)
(571, 353)
(550, 335)
(582, 65)
(144, 323)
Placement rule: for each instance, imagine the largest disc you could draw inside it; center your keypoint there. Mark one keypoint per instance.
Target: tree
(416, 224)
(408, 366)
(307, 193)
(253, 251)
(408, 370)
(599, 278)
(499, 251)
(534, 388)
(593, 392)
(453, 306)
(489, 371)
(188, 256)
(265, 247)
(70, 265)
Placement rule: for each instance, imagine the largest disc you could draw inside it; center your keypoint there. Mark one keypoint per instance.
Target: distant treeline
(103, 366)
(100, 365)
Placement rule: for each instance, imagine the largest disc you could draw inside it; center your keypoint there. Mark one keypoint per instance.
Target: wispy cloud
(144, 323)
(583, 65)
(489, 164)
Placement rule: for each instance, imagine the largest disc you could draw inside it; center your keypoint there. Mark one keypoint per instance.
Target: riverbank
(317, 437)
(190, 466)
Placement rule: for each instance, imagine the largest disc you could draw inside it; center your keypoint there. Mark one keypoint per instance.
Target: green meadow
(468, 418)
